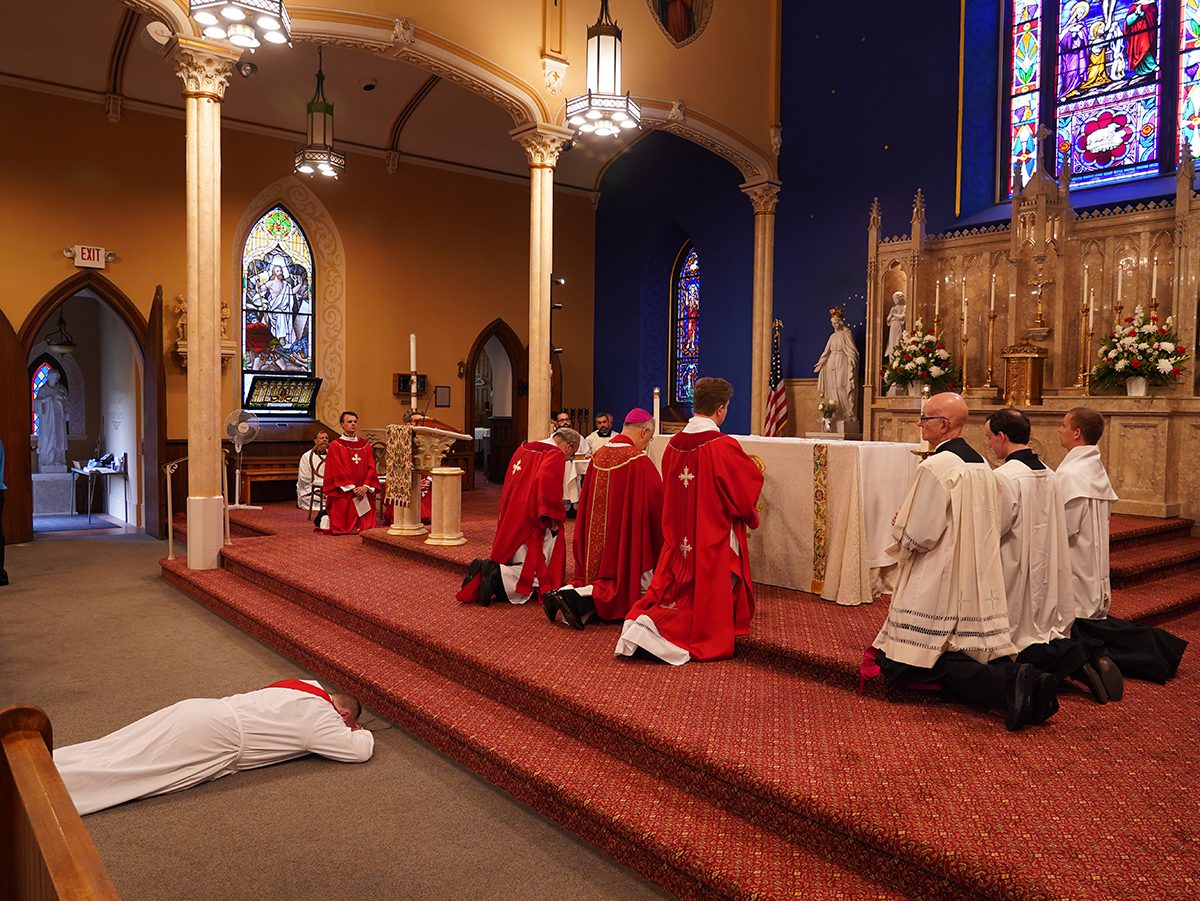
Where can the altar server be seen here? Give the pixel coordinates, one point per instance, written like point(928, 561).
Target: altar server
point(618, 534)
point(1087, 495)
point(701, 594)
point(528, 551)
point(948, 620)
point(202, 739)
point(350, 480)
point(1036, 563)
point(311, 473)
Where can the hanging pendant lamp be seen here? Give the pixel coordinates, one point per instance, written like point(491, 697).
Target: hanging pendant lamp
point(603, 110)
point(318, 154)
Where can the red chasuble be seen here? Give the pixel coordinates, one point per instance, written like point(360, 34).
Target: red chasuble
point(618, 533)
point(710, 485)
point(531, 502)
point(349, 462)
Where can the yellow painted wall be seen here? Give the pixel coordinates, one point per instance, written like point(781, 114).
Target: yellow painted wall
point(429, 251)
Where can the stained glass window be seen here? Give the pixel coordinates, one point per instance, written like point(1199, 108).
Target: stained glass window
point(1106, 102)
point(278, 296)
point(685, 321)
point(35, 383)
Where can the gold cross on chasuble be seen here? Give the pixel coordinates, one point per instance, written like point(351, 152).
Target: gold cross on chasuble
point(686, 477)
point(517, 466)
point(357, 459)
point(685, 548)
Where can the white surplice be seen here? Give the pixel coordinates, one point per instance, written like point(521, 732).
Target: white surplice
point(1087, 497)
point(595, 441)
point(1034, 555)
point(309, 477)
point(202, 739)
point(949, 586)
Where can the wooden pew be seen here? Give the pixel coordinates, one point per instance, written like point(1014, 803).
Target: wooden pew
point(45, 850)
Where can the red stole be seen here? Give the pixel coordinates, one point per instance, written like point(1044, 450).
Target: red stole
point(300, 685)
point(710, 485)
point(618, 533)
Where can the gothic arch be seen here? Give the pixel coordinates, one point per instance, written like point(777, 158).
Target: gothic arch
point(515, 349)
point(105, 291)
point(330, 308)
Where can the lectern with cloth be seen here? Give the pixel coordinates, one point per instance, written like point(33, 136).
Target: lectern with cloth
point(415, 449)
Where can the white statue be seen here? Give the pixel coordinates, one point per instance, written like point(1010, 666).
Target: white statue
point(895, 321)
point(51, 408)
point(837, 378)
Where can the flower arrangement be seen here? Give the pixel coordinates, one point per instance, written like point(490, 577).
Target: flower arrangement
point(920, 356)
point(1140, 346)
point(826, 408)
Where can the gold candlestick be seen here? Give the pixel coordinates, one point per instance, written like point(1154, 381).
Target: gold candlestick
point(990, 338)
point(1087, 372)
point(965, 341)
point(1118, 309)
point(1084, 344)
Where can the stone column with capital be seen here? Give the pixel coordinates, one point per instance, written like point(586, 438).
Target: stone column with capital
point(204, 68)
point(763, 197)
point(542, 145)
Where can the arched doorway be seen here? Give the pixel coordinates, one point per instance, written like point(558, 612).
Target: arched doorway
point(495, 376)
point(122, 412)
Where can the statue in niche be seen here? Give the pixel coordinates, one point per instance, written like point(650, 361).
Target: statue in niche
point(837, 369)
point(180, 318)
point(895, 321)
point(51, 408)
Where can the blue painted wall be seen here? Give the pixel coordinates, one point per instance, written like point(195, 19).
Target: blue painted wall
point(661, 193)
point(869, 108)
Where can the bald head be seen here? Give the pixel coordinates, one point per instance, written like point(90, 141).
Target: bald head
point(950, 405)
point(568, 440)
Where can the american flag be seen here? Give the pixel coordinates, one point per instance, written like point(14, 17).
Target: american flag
point(777, 412)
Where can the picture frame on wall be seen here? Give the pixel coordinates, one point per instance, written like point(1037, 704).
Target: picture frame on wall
point(441, 396)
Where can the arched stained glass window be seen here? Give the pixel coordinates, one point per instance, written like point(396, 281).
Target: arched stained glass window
point(1104, 102)
point(685, 325)
point(278, 298)
point(35, 383)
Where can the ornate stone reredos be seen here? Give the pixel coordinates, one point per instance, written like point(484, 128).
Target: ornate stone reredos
point(542, 143)
point(1024, 350)
point(918, 210)
point(203, 66)
point(763, 195)
point(875, 216)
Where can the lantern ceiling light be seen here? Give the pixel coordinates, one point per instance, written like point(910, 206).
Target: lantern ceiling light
point(603, 110)
point(244, 23)
point(318, 154)
point(60, 340)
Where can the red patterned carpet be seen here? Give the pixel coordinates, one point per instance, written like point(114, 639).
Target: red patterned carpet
point(764, 776)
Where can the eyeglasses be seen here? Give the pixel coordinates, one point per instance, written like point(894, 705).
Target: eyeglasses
point(927, 418)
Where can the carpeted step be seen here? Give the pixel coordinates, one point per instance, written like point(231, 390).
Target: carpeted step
point(1158, 601)
point(1124, 528)
point(681, 841)
point(787, 753)
point(1144, 560)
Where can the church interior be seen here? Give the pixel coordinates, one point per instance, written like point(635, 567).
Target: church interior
point(466, 217)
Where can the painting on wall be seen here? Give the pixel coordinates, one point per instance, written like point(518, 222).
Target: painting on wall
point(682, 21)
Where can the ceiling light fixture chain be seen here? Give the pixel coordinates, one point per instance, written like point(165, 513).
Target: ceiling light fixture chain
point(318, 154)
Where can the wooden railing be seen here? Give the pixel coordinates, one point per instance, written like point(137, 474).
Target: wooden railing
point(45, 850)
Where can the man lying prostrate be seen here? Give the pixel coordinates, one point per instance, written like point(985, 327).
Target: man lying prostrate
point(1087, 496)
point(948, 620)
point(202, 739)
point(618, 534)
point(1037, 564)
point(529, 551)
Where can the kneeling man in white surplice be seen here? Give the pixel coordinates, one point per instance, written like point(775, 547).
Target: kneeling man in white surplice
point(948, 619)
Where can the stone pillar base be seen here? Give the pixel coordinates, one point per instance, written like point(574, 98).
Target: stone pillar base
point(53, 492)
point(446, 523)
point(407, 520)
point(205, 531)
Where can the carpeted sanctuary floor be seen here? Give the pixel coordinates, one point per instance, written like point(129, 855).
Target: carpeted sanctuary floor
point(93, 635)
point(764, 776)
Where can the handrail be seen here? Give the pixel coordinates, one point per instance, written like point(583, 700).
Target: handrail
point(168, 471)
point(45, 850)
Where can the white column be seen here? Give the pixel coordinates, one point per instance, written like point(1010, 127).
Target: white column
point(204, 68)
point(763, 197)
point(542, 145)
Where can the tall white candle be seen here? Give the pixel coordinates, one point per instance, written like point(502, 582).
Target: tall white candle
point(412, 352)
point(992, 302)
point(1154, 279)
point(1091, 308)
point(1085, 281)
point(1120, 283)
point(937, 298)
point(656, 410)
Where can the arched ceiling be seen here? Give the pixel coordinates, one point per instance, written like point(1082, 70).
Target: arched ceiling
point(429, 120)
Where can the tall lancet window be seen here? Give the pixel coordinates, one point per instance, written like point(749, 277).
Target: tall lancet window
point(685, 325)
point(278, 297)
point(1092, 72)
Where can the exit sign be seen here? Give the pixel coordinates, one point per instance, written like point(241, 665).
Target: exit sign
point(89, 257)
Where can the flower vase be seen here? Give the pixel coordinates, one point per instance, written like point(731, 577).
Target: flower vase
point(826, 425)
point(914, 389)
point(1136, 386)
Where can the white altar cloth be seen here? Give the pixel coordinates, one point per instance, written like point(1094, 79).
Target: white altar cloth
point(825, 515)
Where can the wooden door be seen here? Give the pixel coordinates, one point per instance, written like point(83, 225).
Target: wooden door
point(154, 421)
point(14, 431)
